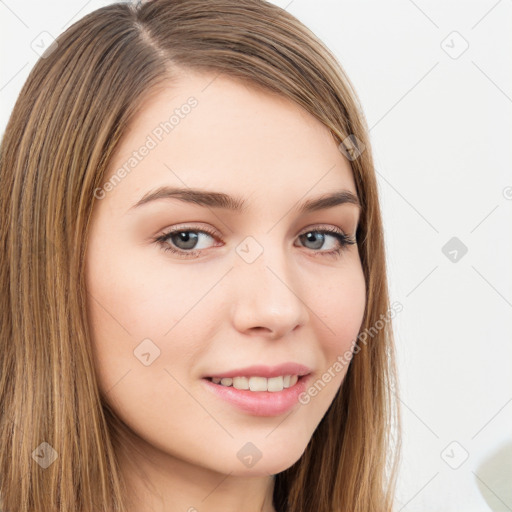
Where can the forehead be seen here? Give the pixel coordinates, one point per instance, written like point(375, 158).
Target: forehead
point(212, 131)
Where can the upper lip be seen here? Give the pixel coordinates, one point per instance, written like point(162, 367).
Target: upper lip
point(265, 371)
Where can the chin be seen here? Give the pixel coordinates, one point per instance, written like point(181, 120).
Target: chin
point(269, 465)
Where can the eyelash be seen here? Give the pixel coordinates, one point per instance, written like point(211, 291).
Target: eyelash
point(343, 239)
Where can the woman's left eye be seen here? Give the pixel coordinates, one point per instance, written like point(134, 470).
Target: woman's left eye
point(341, 240)
point(183, 241)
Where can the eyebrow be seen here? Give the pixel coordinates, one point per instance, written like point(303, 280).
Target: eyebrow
point(221, 200)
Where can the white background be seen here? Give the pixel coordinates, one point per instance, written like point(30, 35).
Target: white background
point(441, 127)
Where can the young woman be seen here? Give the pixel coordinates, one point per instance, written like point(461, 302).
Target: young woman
point(195, 312)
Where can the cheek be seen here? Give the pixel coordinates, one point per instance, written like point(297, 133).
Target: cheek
point(135, 309)
point(339, 310)
point(341, 306)
point(130, 296)
point(145, 337)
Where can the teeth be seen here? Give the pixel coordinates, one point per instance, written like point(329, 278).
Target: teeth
point(261, 383)
point(241, 383)
point(258, 383)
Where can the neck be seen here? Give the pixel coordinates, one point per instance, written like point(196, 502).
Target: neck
point(158, 482)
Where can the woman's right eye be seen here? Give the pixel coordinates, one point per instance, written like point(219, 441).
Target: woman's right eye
point(185, 242)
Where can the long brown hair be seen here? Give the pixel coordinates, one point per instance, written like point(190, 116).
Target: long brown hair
point(66, 124)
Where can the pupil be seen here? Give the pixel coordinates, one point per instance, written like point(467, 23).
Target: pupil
point(311, 237)
point(184, 236)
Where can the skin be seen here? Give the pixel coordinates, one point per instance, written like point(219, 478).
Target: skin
point(292, 303)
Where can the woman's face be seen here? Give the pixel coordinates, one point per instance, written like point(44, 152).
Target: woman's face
point(256, 286)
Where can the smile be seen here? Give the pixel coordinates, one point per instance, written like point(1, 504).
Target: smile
point(259, 396)
point(273, 384)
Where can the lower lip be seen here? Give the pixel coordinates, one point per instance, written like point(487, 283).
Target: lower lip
point(261, 403)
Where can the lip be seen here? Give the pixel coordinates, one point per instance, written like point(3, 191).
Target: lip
point(265, 371)
point(261, 403)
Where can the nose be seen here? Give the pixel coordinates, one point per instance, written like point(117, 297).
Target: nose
point(267, 296)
